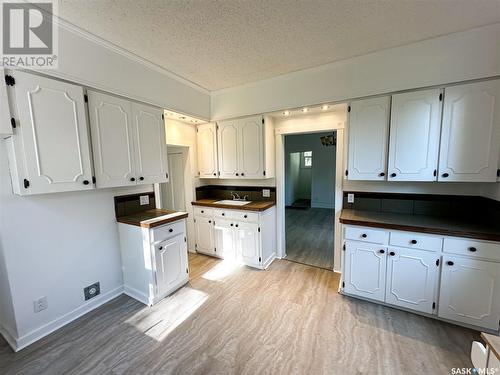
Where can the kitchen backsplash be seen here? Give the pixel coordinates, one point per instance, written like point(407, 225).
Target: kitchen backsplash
point(254, 193)
point(130, 204)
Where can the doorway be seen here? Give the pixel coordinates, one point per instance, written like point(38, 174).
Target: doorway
point(173, 192)
point(310, 169)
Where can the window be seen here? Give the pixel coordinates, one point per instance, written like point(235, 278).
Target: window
point(307, 159)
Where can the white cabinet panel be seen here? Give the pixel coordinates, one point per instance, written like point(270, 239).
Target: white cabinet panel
point(227, 137)
point(414, 136)
point(470, 132)
point(52, 150)
point(171, 264)
point(248, 243)
point(206, 136)
point(204, 235)
point(150, 144)
point(411, 279)
point(112, 141)
point(470, 291)
point(365, 269)
point(225, 241)
point(251, 152)
point(368, 135)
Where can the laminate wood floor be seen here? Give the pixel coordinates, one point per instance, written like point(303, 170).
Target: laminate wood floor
point(288, 319)
point(309, 236)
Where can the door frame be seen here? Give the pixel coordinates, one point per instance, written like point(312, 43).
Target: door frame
point(308, 128)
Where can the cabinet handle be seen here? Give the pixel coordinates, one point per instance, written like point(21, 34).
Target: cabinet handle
point(141, 178)
point(381, 174)
point(86, 182)
point(472, 249)
point(445, 175)
point(450, 263)
point(132, 179)
point(170, 230)
point(392, 253)
point(393, 174)
point(413, 242)
point(364, 235)
point(382, 251)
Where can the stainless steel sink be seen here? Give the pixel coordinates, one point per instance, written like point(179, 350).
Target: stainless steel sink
point(232, 202)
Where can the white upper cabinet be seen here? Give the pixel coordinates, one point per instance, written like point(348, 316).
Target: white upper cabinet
point(227, 136)
point(112, 140)
point(206, 136)
point(150, 144)
point(368, 136)
point(5, 124)
point(49, 150)
point(470, 133)
point(251, 148)
point(414, 136)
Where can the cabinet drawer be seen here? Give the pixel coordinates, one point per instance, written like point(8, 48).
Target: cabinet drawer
point(167, 231)
point(366, 235)
point(244, 216)
point(416, 241)
point(203, 211)
point(480, 249)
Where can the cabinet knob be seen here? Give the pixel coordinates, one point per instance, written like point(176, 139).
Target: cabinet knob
point(364, 235)
point(242, 173)
point(237, 174)
point(86, 182)
point(236, 225)
point(231, 224)
point(450, 263)
point(445, 175)
point(202, 211)
point(215, 174)
point(223, 214)
point(393, 174)
point(141, 178)
point(245, 216)
point(132, 179)
point(170, 230)
point(381, 174)
point(413, 242)
point(382, 251)
point(392, 253)
point(161, 248)
point(209, 221)
point(472, 249)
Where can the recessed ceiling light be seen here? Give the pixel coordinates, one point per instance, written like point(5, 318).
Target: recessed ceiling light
point(305, 109)
point(324, 107)
point(286, 113)
point(182, 117)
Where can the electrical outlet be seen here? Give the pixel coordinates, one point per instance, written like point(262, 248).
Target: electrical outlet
point(143, 200)
point(92, 291)
point(350, 198)
point(40, 304)
point(266, 193)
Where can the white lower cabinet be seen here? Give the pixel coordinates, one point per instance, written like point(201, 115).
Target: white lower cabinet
point(463, 273)
point(242, 236)
point(470, 291)
point(171, 264)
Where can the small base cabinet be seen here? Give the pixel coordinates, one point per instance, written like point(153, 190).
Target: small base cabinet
point(154, 260)
point(450, 278)
point(245, 237)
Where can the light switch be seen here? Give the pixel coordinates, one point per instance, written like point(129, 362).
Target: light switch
point(350, 198)
point(266, 193)
point(143, 200)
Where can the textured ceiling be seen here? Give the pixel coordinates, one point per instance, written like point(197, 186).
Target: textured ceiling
point(219, 44)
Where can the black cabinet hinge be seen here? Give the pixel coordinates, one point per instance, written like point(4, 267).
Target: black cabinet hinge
point(215, 249)
point(437, 262)
point(163, 118)
point(264, 173)
point(185, 239)
point(195, 245)
point(498, 172)
point(166, 174)
point(262, 120)
point(349, 108)
point(343, 284)
point(435, 172)
point(260, 259)
point(26, 184)
point(441, 97)
point(217, 126)
point(9, 80)
point(346, 172)
point(187, 271)
point(13, 122)
point(86, 98)
point(259, 229)
point(194, 220)
point(94, 180)
point(434, 305)
point(343, 247)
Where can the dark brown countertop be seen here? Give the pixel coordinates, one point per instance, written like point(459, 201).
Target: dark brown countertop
point(152, 218)
point(448, 226)
point(493, 342)
point(253, 206)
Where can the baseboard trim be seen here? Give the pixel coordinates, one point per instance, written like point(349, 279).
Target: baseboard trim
point(8, 337)
point(30, 338)
point(139, 296)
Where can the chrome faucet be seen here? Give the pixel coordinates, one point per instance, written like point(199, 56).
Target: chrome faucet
point(236, 196)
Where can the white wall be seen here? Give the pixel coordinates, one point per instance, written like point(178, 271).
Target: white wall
point(8, 327)
point(456, 57)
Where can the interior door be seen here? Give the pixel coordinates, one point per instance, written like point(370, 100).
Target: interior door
point(204, 231)
point(251, 144)
point(368, 135)
point(174, 189)
point(470, 291)
point(150, 144)
point(470, 135)
point(414, 136)
point(248, 243)
point(171, 264)
point(364, 271)
point(225, 243)
point(227, 137)
point(206, 138)
point(411, 279)
point(54, 133)
point(112, 141)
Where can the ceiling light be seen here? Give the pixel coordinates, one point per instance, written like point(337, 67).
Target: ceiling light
point(182, 117)
point(305, 109)
point(286, 113)
point(195, 121)
point(324, 107)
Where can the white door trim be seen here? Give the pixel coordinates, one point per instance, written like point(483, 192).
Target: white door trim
point(339, 177)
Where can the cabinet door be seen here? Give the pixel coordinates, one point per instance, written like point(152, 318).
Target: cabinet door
point(470, 132)
point(414, 136)
point(204, 230)
point(225, 239)
point(411, 279)
point(112, 141)
point(364, 271)
point(55, 137)
point(227, 137)
point(150, 144)
point(248, 243)
point(470, 291)
point(206, 137)
point(171, 264)
point(368, 135)
point(251, 148)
